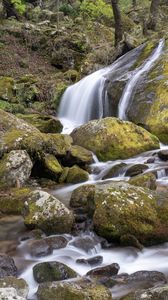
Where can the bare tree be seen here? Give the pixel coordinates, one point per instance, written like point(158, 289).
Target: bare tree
point(153, 17)
point(118, 21)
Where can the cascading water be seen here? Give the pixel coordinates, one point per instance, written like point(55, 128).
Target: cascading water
point(87, 99)
point(129, 89)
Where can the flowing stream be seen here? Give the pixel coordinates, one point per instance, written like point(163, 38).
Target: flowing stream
point(77, 107)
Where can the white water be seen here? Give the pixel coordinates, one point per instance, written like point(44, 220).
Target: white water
point(145, 67)
point(87, 99)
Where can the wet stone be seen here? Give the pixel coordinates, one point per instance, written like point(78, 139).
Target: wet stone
point(135, 170)
point(39, 248)
point(163, 155)
point(108, 270)
point(93, 261)
point(56, 242)
point(86, 243)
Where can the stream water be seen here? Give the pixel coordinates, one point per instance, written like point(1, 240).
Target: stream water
point(81, 99)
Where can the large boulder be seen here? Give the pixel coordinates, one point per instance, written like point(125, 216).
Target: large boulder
point(154, 293)
point(111, 138)
point(73, 290)
point(47, 213)
point(123, 209)
point(149, 106)
point(15, 168)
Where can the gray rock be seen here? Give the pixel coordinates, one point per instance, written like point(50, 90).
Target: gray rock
point(7, 266)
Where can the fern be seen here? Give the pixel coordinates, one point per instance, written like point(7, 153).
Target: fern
point(19, 5)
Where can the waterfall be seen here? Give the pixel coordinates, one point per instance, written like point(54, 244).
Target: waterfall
point(128, 91)
point(87, 99)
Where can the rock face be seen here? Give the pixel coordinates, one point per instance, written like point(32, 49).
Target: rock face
point(149, 106)
point(111, 138)
point(73, 290)
point(52, 271)
point(47, 213)
point(125, 209)
point(15, 168)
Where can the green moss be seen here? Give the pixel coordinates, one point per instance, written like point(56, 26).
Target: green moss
point(146, 52)
point(7, 88)
point(59, 90)
point(12, 201)
point(44, 123)
point(52, 165)
point(122, 209)
point(76, 174)
point(111, 138)
point(147, 180)
point(11, 107)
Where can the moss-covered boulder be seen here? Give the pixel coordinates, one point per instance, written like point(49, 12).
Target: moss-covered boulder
point(111, 138)
point(12, 200)
point(147, 180)
point(45, 123)
point(74, 175)
point(52, 271)
point(154, 293)
point(125, 209)
point(73, 290)
point(15, 168)
point(150, 103)
point(47, 213)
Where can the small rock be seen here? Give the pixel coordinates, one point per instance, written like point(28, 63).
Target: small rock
point(19, 285)
point(93, 261)
point(135, 170)
point(39, 248)
point(85, 243)
point(109, 270)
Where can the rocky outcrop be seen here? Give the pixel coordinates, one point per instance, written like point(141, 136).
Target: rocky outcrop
point(111, 138)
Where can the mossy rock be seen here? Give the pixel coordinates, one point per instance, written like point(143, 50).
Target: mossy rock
point(154, 293)
point(12, 107)
point(150, 105)
point(73, 290)
point(111, 138)
point(147, 180)
point(123, 209)
point(44, 123)
point(52, 166)
point(7, 85)
point(52, 271)
point(47, 213)
point(79, 155)
point(12, 201)
point(76, 174)
point(83, 197)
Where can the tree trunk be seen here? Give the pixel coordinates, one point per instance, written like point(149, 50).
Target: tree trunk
point(154, 9)
point(118, 22)
point(9, 9)
point(134, 3)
